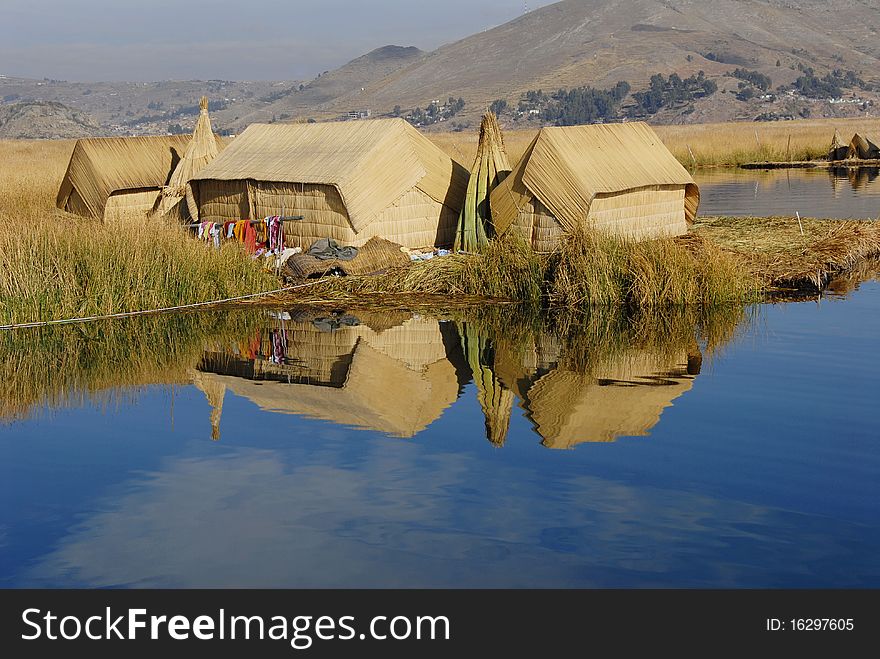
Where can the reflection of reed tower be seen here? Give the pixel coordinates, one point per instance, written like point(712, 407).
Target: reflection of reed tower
point(215, 392)
point(495, 399)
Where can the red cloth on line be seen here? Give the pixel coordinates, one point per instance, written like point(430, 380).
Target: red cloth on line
point(250, 238)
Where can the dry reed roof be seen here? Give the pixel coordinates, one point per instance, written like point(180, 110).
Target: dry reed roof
point(371, 163)
point(862, 148)
point(103, 165)
point(566, 168)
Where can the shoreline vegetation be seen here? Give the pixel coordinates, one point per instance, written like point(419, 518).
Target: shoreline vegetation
point(58, 265)
point(722, 261)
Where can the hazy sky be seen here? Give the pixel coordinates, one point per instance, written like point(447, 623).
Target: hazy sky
point(89, 40)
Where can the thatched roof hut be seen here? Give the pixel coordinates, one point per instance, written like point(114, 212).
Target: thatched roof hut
point(350, 180)
point(862, 148)
point(491, 166)
point(618, 178)
point(200, 152)
point(838, 149)
point(113, 178)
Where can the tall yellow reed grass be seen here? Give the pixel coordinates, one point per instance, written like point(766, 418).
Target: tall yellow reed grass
point(58, 265)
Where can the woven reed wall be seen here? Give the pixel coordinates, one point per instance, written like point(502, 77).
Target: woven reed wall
point(414, 220)
point(220, 201)
point(536, 223)
point(130, 205)
point(653, 212)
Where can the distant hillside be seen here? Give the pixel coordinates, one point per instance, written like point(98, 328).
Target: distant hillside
point(339, 89)
point(682, 61)
point(145, 108)
point(601, 42)
point(45, 120)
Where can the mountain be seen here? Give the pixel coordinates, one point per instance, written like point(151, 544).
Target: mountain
point(45, 120)
point(600, 42)
point(793, 56)
point(340, 89)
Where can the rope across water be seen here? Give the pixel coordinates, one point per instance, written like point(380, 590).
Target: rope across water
point(131, 314)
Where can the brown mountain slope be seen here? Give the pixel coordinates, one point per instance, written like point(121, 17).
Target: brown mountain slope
point(340, 88)
point(45, 120)
point(599, 42)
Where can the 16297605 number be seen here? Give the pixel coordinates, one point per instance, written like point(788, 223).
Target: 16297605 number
point(822, 624)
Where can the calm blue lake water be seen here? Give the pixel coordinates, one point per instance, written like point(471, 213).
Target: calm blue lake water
point(364, 455)
point(824, 193)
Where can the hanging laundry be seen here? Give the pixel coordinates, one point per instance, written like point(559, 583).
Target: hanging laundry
point(238, 230)
point(275, 227)
point(215, 232)
point(250, 238)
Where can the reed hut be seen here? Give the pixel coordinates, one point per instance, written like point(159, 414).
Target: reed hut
point(396, 380)
point(119, 178)
point(491, 166)
point(617, 178)
point(838, 149)
point(862, 148)
point(200, 152)
point(350, 181)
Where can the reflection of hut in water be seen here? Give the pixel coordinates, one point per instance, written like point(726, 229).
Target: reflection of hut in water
point(621, 396)
point(858, 177)
point(861, 177)
point(395, 377)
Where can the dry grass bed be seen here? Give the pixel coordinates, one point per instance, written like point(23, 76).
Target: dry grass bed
point(590, 270)
point(781, 258)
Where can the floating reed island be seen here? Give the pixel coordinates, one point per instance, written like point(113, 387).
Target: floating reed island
point(606, 216)
point(588, 216)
